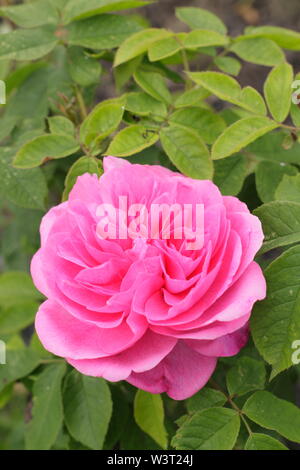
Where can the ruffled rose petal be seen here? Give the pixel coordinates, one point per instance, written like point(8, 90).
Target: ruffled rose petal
point(86, 190)
point(228, 313)
point(181, 374)
point(143, 356)
point(67, 336)
point(227, 345)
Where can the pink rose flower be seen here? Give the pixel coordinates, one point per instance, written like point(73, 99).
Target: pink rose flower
point(144, 310)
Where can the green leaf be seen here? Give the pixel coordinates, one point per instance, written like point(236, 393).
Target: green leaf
point(286, 38)
point(275, 322)
point(180, 421)
point(149, 415)
point(36, 346)
point(47, 410)
point(187, 151)
point(4, 69)
point(295, 113)
point(17, 316)
point(102, 121)
point(19, 363)
point(81, 166)
point(192, 97)
point(288, 189)
point(134, 438)
point(268, 176)
point(26, 134)
point(205, 398)
point(83, 69)
point(252, 100)
point(60, 86)
point(224, 87)
point(114, 30)
point(30, 15)
point(63, 441)
point(206, 123)
point(230, 173)
point(153, 84)
point(280, 222)
point(21, 232)
point(18, 76)
point(14, 343)
point(60, 125)
point(198, 18)
point(163, 48)
point(228, 89)
point(263, 442)
point(17, 287)
point(260, 51)
point(26, 188)
point(271, 412)
point(270, 147)
point(76, 9)
point(29, 102)
point(50, 146)
point(240, 134)
point(142, 104)
point(131, 140)
point(138, 44)
point(88, 408)
point(246, 375)
point(204, 38)
point(277, 89)
point(124, 72)
point(210, 429)
point(6, 395)
point(27, 44)
point(119, 419)
point(59, 4)
point(228, 65)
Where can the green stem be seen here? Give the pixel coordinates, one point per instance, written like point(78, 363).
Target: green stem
point(81, 102)
point(233, 405)
point(186, 66)
point(291, 128)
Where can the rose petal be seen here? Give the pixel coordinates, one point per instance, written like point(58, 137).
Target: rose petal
point(143, 356)
point(181, 374)
point(227, 345)
point(67, 336)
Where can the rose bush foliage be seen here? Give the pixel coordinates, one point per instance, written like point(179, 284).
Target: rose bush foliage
point(120, 322)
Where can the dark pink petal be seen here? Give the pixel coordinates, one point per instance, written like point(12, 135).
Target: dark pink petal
point(227, 345)
point(181, 374)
